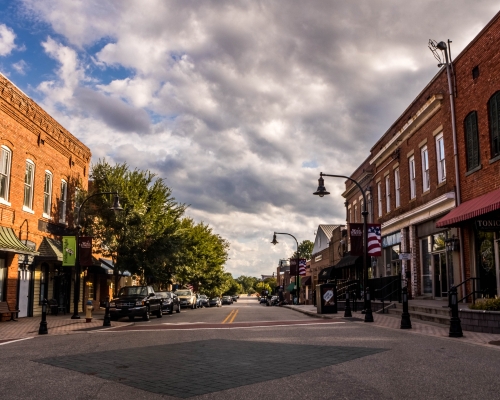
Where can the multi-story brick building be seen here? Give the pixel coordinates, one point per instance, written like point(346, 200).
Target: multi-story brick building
point(41, 167)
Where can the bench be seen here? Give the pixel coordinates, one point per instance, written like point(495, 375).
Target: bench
point(5, 309)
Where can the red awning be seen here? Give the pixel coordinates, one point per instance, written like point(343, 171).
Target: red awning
point(472, 208)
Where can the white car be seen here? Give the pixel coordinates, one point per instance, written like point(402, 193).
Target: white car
point(186, 297)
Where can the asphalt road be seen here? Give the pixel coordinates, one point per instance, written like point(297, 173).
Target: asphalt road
point(300, 358)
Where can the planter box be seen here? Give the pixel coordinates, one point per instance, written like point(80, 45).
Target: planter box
point(479, 320)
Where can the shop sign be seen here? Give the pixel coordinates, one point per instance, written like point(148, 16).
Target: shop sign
point(405, 256)
point(488, 224)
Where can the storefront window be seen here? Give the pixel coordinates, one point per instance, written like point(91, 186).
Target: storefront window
point(3, 279)
point(486, 263)
point(392, 261)
point(426, 266)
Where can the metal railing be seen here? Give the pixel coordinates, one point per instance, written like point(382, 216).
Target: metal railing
point(347, 285)
point(389, 287)
point(474, 289)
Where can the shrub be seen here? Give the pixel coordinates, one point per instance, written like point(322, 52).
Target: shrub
point(486, 304)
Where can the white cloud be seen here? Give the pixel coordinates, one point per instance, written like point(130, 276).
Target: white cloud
point(20, 67)
point(7, 38)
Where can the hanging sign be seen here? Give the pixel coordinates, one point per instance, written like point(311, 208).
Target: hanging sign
point(356, 235)
point(85, 251)
point(405, 256)
point(69, 251)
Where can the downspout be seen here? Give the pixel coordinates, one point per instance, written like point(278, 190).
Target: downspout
point(446, 49)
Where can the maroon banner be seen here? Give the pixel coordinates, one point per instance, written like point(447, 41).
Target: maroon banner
point(356, 235)
point(293, 266)
point(85, 251)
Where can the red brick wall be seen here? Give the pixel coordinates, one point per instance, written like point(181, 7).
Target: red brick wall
point(31, 133)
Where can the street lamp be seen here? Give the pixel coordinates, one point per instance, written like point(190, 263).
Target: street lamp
point(116, 207)
point(275, 242)
point(321, 191)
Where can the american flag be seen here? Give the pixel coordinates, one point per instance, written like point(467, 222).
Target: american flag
point(302, 267)
point(374, 239)
point(189, 286)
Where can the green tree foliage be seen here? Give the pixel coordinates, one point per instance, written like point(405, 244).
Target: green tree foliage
point(247, 283)
point(150, 237)
point(305, 250)
point(272, 282)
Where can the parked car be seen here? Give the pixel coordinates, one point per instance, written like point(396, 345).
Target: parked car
point(136, 301)
point(215, 302)
point(263, 300)
point(170, 302)
point(235, 298)
point(227, 300)
point(204, 300)
point(186, 297)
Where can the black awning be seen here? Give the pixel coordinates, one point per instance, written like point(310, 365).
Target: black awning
point(305, 280)
point(325, 274)
point(349, 261)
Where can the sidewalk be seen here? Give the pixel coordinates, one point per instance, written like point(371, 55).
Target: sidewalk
point(56, 325)
point(418, 326)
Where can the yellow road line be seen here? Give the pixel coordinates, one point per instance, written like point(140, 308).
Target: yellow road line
point(229, 316)
point(234, 316)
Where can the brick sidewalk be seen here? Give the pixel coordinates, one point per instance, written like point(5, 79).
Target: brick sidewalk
point(56, 325)
point(418, 326)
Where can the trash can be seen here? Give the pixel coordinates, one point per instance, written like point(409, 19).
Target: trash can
point(326, 298)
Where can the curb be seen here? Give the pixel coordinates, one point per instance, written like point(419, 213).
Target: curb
point(311, 314)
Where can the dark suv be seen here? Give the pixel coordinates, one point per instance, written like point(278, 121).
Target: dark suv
point(135, 301)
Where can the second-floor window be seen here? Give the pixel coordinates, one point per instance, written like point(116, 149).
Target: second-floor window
point(5, 162)
point(47, 194)
point(441, 164)
point(471, 140)
point(426, 182)
point(397, 187)
point(62, 202)
point(413, 186)
point(28, 185)
point(379, 198)
point(388, 193)
point(494, 111)
point(355, 213)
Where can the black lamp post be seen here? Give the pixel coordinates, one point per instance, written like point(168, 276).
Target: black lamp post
point(116, 207)
point(275, 242)
point(321, 191)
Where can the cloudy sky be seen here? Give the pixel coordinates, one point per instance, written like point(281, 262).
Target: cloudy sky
point(237, 104)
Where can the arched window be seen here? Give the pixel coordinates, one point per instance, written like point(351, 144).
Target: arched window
point(471, 140)
point(494, 111)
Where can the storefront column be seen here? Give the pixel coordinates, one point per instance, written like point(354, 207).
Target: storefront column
point(413, 268)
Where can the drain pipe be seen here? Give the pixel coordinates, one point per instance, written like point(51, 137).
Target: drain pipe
point(446, 50)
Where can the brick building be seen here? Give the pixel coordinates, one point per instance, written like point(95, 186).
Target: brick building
point(415, 184)
point(41, 167)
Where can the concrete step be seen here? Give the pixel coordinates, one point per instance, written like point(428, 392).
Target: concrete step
point(439, 318)
point(442, 311)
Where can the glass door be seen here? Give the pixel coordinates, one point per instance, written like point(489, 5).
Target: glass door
point(440, 274)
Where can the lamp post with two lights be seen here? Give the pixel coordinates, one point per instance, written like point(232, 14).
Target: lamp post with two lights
point(275, 242)
point(116, 207)
point(321, 191)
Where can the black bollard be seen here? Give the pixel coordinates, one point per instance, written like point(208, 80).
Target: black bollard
point(455, 325)
point(107, 317)
point(368, 306)
point(43, 324)
point(347, 310)
point(405, 317)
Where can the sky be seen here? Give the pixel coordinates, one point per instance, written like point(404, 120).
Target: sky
point(238, 105)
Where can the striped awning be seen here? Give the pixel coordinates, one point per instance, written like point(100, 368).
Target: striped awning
point(10, 242)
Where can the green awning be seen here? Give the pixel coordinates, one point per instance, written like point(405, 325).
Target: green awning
point(9, 242)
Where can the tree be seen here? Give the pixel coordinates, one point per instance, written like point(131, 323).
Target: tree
point(246, 282)
point(305, 250)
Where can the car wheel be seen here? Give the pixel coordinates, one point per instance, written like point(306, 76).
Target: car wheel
point(145, 316)
point(178, 308)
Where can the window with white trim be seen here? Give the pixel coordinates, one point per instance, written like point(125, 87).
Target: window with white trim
point(355, 213)
point(379, 198)
point(388, 193)
point(5, 162)
point(47, 194)
point(397, 187)
point(29, 175)
point(63, 202)
point(441, 163)
point(413, 186)
point(426, 183)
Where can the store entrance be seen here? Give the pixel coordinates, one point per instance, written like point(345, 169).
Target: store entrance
point(440, 274)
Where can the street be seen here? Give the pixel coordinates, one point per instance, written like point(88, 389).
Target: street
point(233, 352)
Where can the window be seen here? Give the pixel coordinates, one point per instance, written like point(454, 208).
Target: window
point(413, 187)
point(28, 185)
point(355, 213)
point(397, 187)
point(5, 162)
point(494, 111)
point(44, 273)
point(47, 194)
point(388, 193)
point(471, 140)
point(3, 279)
point(350, 215)
point(425, 170)
point(62, 202)
point(441, 164)
point(379, 197)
